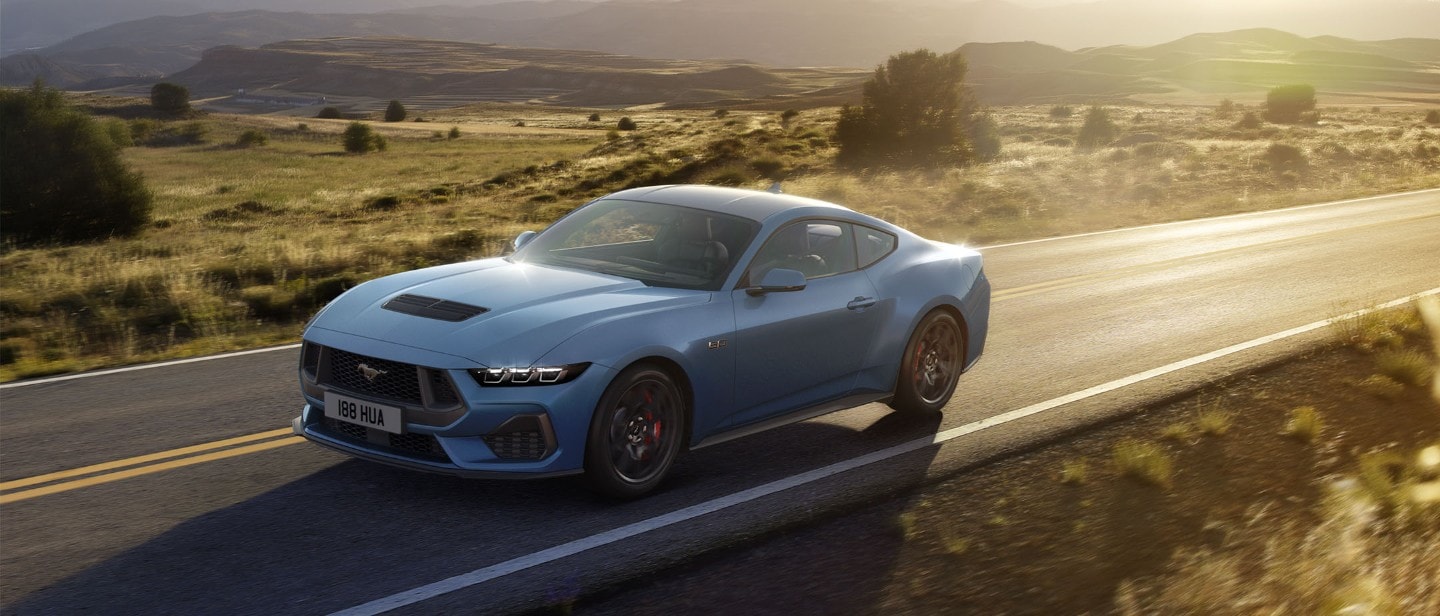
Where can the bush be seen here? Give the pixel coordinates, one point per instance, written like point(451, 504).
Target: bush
point(395, 112)
point(1098, 129)
point(119, 133)
point(1433, 116)
point(454, 132)
point(359, 138)
point(70, 184)
point(329, 113)
point(251, 137)
point(1284, 104)
point(768, 167)
point(1225, 109)
point(594, 117)
point(626, 123)
point(788, 115)
point(1284, 157)
point(170, 98)
point(915, 111)
point(720, 113)
point(984, 135)
point(1249, 121)
point(1061, 111)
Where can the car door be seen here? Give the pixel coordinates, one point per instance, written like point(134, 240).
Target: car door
point(795, 349)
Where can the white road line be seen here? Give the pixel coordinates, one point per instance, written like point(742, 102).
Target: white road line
point(577, 546)
point(86, 375)
point(1213, 218)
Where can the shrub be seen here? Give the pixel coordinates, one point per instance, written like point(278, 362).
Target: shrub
point(1284, 104)
point(768, 167)
point(594, 117)
point(119, 133)
point(454, 132)
point(359, 138)
point(329, 113)
point(1143, 461)
point(915, 111)
point(70, 183)
point(1214, 421)
point(302, 127)
point(1225, 109)
point(788, 115)
point(1284, 157)
point(395, 112)
point(1433, 116)
point(251, 137)
point(1406, 367)
point(720, 113)
point(1304, 423)
point(1098, 129)
point(1061, 111)
point(170, 98)
point(984, 135)
point(1249, 121)
point(626, 123)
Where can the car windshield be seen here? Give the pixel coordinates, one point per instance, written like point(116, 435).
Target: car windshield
point(657, 244)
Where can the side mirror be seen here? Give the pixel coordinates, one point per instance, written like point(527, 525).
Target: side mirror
point(779, 280)
point(523, 239)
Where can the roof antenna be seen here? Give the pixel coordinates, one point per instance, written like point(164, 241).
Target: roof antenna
point(775, 189)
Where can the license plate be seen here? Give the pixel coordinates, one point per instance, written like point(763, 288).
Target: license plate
point(363, 413)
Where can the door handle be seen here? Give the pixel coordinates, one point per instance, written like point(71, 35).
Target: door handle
point(860, 303)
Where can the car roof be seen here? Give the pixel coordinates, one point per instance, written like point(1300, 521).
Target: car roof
point(753, 204)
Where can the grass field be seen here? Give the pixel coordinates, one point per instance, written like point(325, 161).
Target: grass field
point(247, 242)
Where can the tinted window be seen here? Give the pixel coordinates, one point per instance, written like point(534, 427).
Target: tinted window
point(872, 244)
point(818, 248)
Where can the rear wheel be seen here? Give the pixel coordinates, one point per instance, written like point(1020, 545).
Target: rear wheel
point(931, 366)
point(635, 434)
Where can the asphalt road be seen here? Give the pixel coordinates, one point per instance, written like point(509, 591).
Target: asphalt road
point(267, 525)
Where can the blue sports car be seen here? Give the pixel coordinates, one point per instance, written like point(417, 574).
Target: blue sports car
point(645, 323)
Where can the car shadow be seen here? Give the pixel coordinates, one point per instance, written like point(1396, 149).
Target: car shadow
point(356, 531)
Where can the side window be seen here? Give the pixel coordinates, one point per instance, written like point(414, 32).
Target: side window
point(819, 248)
point(872, 244)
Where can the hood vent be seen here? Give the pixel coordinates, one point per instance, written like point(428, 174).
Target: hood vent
point(432, 308)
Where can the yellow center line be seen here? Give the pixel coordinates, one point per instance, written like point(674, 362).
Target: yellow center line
point(173, 453)
point(12, 497)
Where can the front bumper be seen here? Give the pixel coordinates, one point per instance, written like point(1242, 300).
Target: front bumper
point(502, 432)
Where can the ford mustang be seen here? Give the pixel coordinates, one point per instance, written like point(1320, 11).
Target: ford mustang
point(643, 324)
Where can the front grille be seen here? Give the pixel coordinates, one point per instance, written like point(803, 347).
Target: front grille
point(421, 445)
point(517, 445)
point(394, 381)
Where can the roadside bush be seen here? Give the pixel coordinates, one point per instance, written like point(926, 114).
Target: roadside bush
point(329, 113)
point(1249, 121)
point(788, 115)
point(626, 123)
point(1433, 116)
point(1284, 157)
point(1225, 109)
point(1284, 104)
point(454, 133)
point(169, 98)
point(720, 113)
point(768, 167)
point(915, 112)
point(984, 134)
point(68, 182)
point(359, 138)
point(594, 117)
point(1098, 129)
point(1062, 111)
point(395, 112)
point(251, 137)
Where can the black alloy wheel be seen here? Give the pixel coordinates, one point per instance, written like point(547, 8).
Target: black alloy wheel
point(931, 365)
point(636, 433)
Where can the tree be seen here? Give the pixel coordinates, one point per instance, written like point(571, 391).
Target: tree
point(1225, 109)
point(329, 113)
point(1284, 104)
point(914, 112)
point(395, 112)
point(359, 138)
point(170, 98)
point(61, 177)
point(1097, 130)
point(626, 123)
point(984, 135)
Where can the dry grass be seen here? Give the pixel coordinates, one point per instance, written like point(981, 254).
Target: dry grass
point(1304, 423)
point(1143, 461)
point(248, 241)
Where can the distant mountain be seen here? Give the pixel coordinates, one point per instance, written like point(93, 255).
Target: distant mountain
point(387, 68)
point(859, 33)
point(1228, 62)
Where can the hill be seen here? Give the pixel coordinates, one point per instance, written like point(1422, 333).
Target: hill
point(449, 72)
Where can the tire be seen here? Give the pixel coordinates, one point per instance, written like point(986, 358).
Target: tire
point(931, 365)
point(635, 434)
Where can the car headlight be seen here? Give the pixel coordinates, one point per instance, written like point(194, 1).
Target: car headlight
point(536, 375)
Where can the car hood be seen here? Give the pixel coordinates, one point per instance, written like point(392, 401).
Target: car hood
point(530, 309)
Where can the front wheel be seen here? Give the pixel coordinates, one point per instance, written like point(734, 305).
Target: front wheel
point(931, 365)
point(635, 434)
